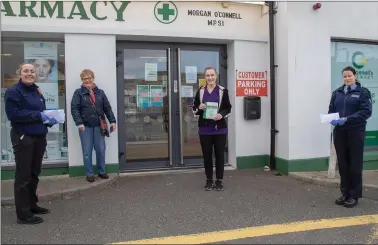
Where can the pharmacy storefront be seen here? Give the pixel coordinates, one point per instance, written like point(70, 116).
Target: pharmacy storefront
point(149, 58)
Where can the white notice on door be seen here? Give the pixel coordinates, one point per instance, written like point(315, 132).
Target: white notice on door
point(191, 74)
point(186, 91)
point(150, 72)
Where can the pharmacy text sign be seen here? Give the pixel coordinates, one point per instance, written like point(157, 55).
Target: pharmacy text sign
point(251, 83)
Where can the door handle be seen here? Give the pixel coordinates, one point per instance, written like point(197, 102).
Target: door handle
point(177, 113)
point(175, 86)
point(180, 104)
point(120, 154)
point(170, 108)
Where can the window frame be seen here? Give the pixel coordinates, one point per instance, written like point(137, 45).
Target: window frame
point(58, 163)
point(354, 40)
point(357, 41)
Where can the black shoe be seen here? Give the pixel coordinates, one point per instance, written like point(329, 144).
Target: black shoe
point(350, 202)
point(103, 176)
point(218, 185)
point(39, 210)
point(340, 200)
point(90, 178)
point(30, 221)
point(209, 185)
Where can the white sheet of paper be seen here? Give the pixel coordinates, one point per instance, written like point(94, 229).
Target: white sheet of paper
point(59, 115)
point(327, 118)
point(191, 74)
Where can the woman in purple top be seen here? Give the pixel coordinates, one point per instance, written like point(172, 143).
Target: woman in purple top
point(212, 132)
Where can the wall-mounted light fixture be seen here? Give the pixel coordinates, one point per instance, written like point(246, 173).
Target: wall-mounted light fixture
point(317, 6)
point(224, 4)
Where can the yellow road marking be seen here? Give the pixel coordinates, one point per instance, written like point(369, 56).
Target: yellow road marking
point(266, 230)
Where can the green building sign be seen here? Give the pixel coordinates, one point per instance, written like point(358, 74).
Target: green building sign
point(56, 9)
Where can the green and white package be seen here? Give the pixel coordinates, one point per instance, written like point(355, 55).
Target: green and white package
point(211, 110)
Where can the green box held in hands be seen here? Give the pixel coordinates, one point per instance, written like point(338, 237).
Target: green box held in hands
point(211, 110)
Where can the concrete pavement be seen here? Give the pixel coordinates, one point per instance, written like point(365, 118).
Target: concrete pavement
point(56, 187)
point(142, 207)
point(370, 178)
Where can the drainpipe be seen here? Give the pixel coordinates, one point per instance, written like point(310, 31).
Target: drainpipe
point(273, 130)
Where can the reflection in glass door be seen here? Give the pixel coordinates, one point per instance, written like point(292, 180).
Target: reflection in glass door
point(146, 104)
point(157, 85)
point(191, 65)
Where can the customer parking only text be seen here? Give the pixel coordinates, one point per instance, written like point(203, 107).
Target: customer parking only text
point(251, 83)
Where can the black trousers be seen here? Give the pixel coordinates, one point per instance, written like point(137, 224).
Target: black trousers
point(349, 146)
point(29, 152)
point(218, 142)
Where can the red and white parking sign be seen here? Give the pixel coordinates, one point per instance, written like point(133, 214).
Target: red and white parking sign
point(251, 83)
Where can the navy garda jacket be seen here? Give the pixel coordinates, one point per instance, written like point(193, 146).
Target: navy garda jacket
point(354, 105)
point(83, 111)
point(23, 107)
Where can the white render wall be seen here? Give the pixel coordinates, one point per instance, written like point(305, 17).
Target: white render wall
point(282, 89)
point(232, 117)
point(99, 55)
point(248, 137)
point(303, 47)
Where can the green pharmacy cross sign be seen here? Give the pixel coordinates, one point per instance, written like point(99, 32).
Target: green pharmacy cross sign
point(165, 12)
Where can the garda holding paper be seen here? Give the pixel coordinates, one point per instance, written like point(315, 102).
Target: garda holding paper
point(25, 108)
point(353, 102)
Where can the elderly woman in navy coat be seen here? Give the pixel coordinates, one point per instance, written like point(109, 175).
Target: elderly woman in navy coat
point(89, 106)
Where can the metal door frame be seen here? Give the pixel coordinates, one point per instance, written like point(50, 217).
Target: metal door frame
point(175, 120)
point(139, 164)
point(222, 72)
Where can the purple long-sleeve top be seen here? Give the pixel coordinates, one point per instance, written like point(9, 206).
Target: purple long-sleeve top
point(211, 129)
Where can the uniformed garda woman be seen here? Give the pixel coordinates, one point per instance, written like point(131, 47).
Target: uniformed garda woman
point(24, 106)
point(353, 103)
